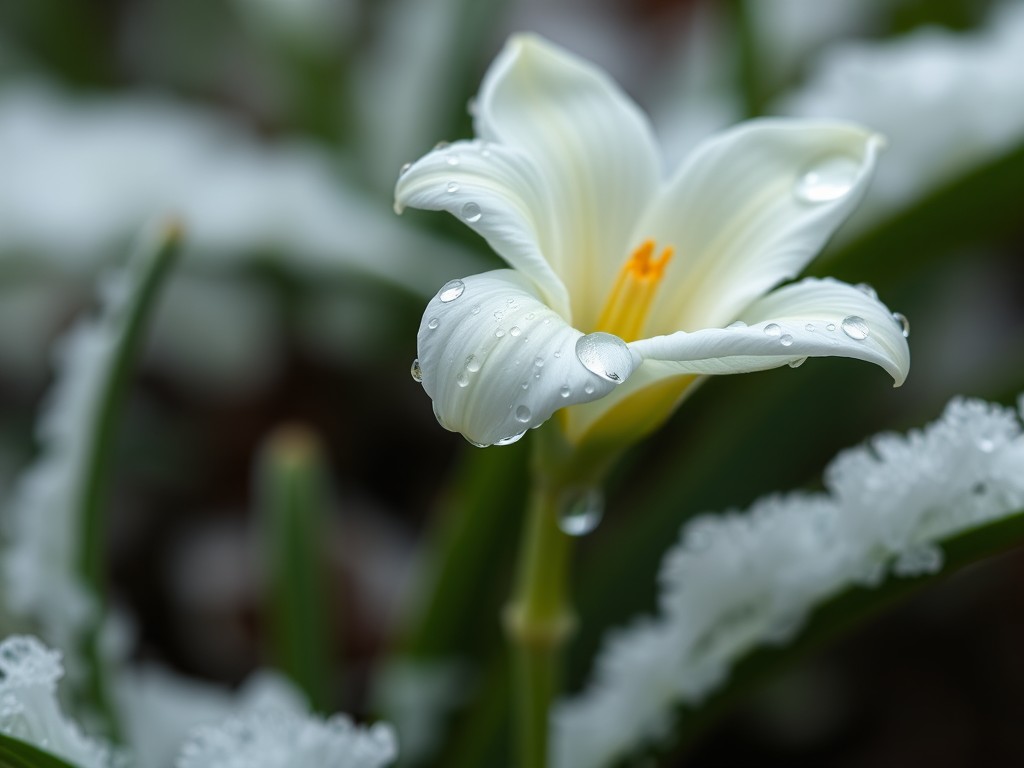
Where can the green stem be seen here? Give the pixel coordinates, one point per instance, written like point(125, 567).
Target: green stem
point(539, 620)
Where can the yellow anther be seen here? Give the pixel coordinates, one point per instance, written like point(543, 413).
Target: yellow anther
point(633, 293)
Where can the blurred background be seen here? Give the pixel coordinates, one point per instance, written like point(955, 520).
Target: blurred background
point(275, 130)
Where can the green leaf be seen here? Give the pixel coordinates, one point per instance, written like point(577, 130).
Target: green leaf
point(839, 615)
point(19, 754)
point(293, 509)
point(125, 314)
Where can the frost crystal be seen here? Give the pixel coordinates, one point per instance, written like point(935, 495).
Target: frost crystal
point(28, 704)
point(279, 739)
point(743, 579)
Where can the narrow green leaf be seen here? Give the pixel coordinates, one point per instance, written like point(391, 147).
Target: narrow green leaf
point(19, 754)
point(293, 508)
point(127, 307)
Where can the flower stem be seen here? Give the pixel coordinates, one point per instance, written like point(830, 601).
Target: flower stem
point(539, 620)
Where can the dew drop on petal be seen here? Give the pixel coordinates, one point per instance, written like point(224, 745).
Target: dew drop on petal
point(500, 332)
point(462, 379)
point(415, 371)
point(773, 330)
point(580, 511)
point(523, 414)
point(538, 361)
point(903, 323)
point(588, 388)
point(475, 444)
point(511, 438)
point(475, 310)
point(855, 327)
point(809, 327)
point(452, 159)
point(558, 354)
point(451, 290)
point(471, 212)
point(453, 187)
point(472, 363)
point(442, 145)
point(986, 444)
point(737, 324)
point(565, 391)
point(606, 355)
point(830, 327)
point(515, 330)
point(827, 180)
point(433, 323)
point(798, 362)
point(867, 290)
point(405, 167)
point(786, 340)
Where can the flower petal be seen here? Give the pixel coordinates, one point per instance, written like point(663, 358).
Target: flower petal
point(749, 210)
point(812, 318)
point(497, 361)
point(591, 145)
point(500, 194)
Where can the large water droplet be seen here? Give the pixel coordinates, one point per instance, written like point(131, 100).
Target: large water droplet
point(472, 363)
point(855, 327)
point(433, 323)
point(415, 371)
point(511, 438)
point(773, 330)
point(580, 511)
point(451, 290)
point(786, 340)
point(606, 355)
point(515, 330)
point(827, 180)
point(500, 332)
point(903, 323)
point(471, 212)
point(523, 414)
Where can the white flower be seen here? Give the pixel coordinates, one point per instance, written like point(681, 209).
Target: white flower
point(623, 281)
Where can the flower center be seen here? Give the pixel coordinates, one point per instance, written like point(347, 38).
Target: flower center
point(633, 293)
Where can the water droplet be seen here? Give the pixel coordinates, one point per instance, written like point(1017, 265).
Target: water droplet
point(511, 438)
point(415, 371)
point(442, 145)
point(606, 355)
point(588, 388)
point(523, 414)
point(500, 332)
point(773, 330)
point(558, 354)
point(580, 511)
point(475, 310)
point(565, 391)
point(451, 290)
point(798, 362)
point(903, 323)
point(809, 327)
point(452, 159)
point(830, 327)
point(525, 385)
point(827, 180)
point(472, 363)
point(511, 301)
point(737, 324)
point(530, 315)
point(515, 330)
point(855, 327)
point(538, 361)
point(453, 187)
point(867, 290)
point(433, 323)
point(471, 212)
point(986, 445)
point(475, 444)
point(405, 167)
point(786, 340)
point(462, 379)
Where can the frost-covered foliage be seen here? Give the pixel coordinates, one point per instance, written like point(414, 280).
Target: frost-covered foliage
point(42, 520)
point(947, 101)
point(281, 739)
point(29, 710)
point(743, 579)
point(100, 166)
